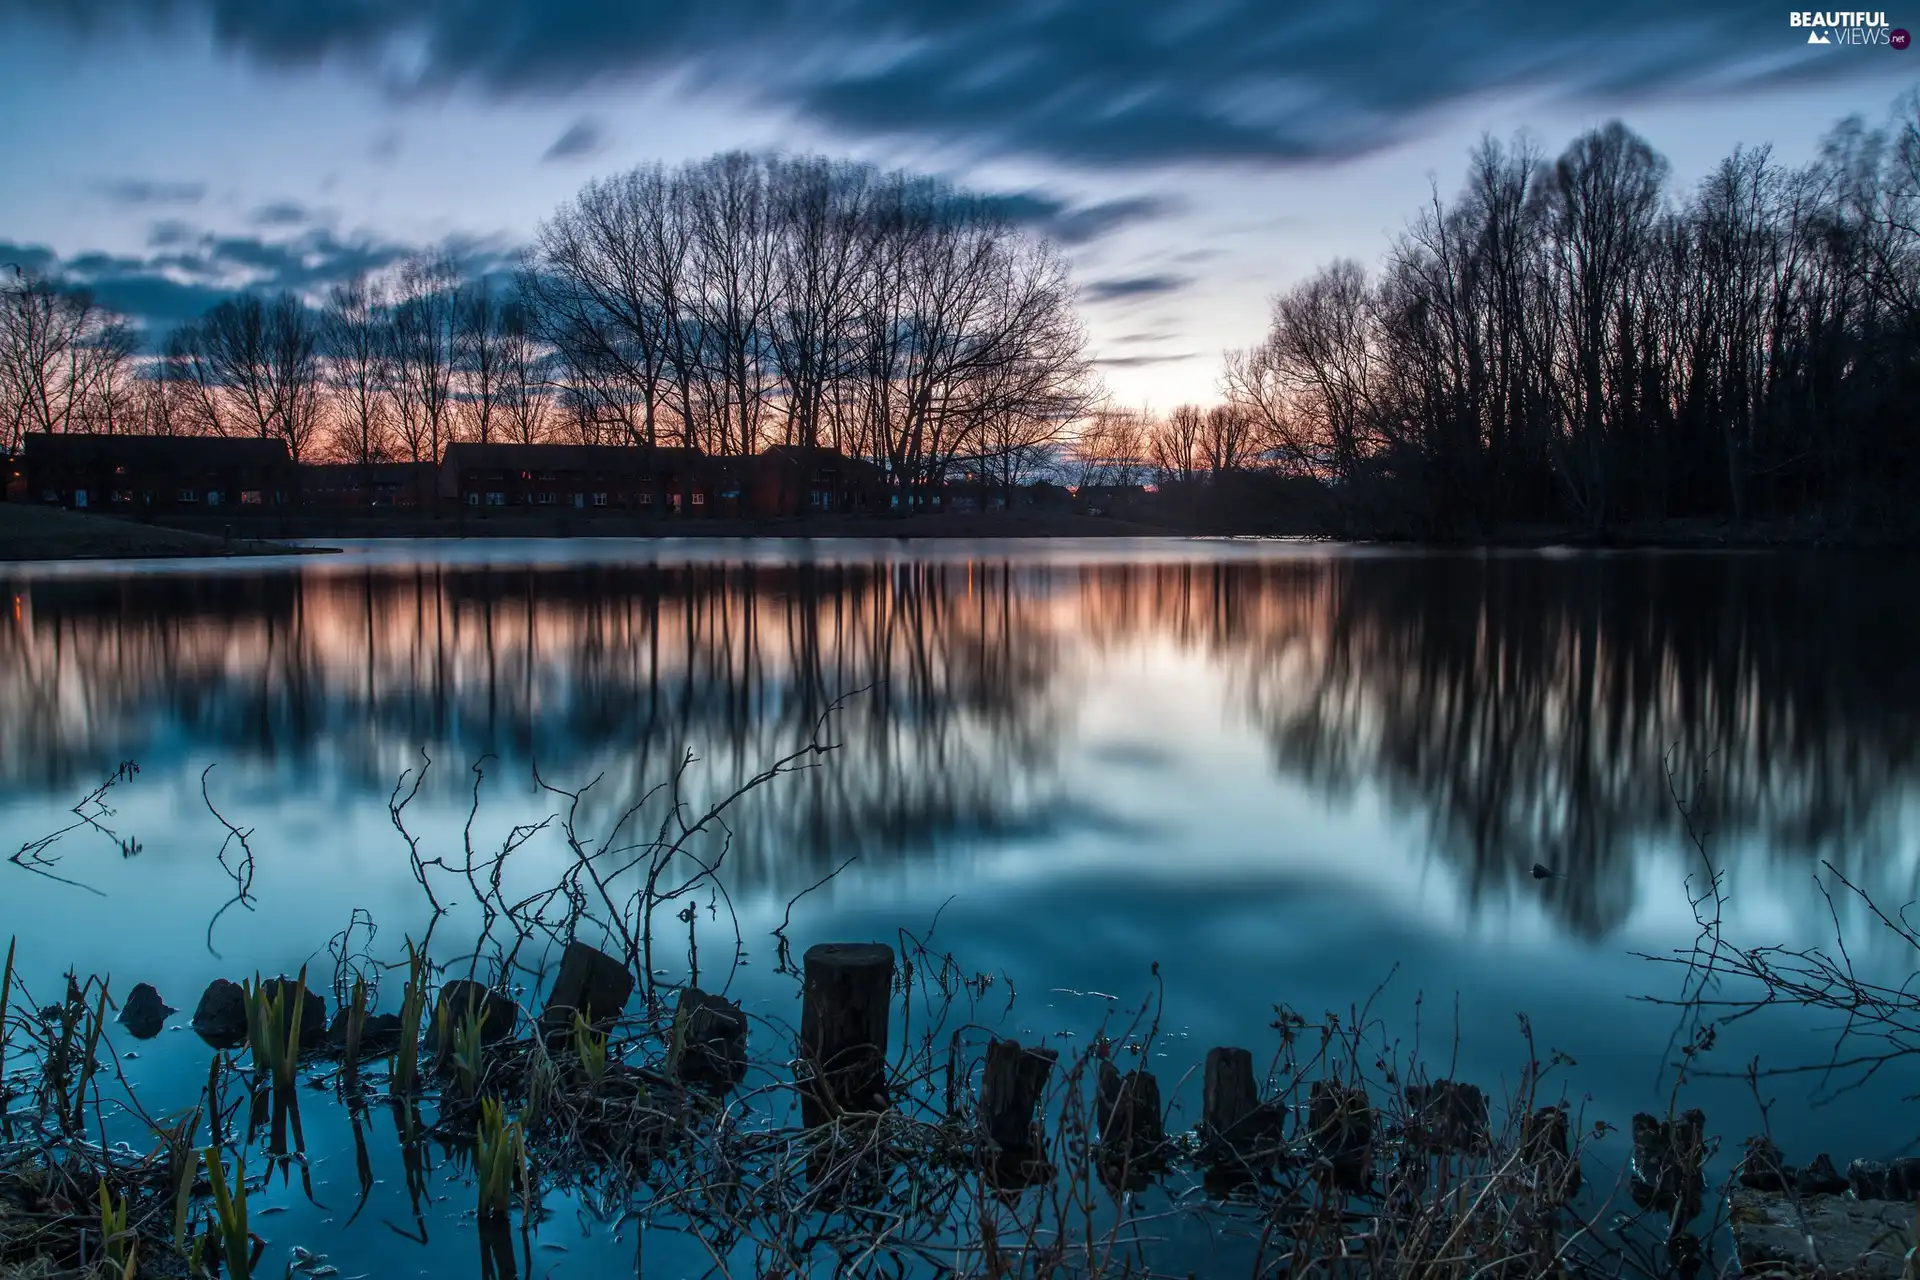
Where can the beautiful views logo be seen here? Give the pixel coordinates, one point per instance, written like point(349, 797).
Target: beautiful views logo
point(1845, 27)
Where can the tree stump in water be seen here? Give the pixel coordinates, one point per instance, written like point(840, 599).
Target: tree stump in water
point(1132, 1140)
point(1012, 1084)
point(1340, 1126)
point(1448, 1116)
point(709, 1041)
point(1544, 1146)
point(846, 1002)
point(592, 984)
point(1239, 1134)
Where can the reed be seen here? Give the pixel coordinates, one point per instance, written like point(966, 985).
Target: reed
point(6, 989)
point(590, 1047)
point(468, 1053)
point(499, 1153)
point(230, 1214)
point(406, 1065)
point(119, 1244)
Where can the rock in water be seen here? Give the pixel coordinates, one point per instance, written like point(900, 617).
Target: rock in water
point(221, 1016)
point(144, 1013)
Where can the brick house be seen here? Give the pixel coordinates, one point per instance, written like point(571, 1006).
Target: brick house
point(376, 484)
point(582, 477)
point(793, 480)
point(127, 474)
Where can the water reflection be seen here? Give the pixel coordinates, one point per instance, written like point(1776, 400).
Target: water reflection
point(1519, 709)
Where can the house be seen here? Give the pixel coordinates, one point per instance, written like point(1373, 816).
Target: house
point(368, 484)
point(586, 477)
point(148, 473)
point(794, 480)
point(1109, 499)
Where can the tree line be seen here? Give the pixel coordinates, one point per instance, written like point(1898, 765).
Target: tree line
point(724, 306)
point(1571, 340)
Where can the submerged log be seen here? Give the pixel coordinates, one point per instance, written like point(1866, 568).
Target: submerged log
point(1238, 1132)
point(846, 1004)
point(592, 984)
point(709, 1045)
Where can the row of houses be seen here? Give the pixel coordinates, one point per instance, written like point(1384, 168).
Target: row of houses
point(181, 474)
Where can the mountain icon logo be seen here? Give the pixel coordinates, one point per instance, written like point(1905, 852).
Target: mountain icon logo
point(1816, 37)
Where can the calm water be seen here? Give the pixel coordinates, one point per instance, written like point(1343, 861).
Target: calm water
point(1287, 774)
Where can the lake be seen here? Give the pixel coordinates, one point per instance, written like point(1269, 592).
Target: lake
point(1278, 773)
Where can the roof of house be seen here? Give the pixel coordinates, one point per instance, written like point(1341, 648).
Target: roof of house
point(565, 457)
point(81, 448)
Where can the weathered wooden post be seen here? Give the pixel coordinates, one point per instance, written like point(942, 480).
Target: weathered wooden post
point(846, 1000)
point(1544, 1146)
point(1448, 1116)
point(1340, 1124)
point(709, 1045)
point(1668, 1156)
point(1011, 1085)
point(1239, 1134)
point(591, 985)
point(1132, 1139)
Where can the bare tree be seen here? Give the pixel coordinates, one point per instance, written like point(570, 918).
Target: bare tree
point(524, 401)
point(359, 351)
point(55, 347)
point(481, 357)
point(424, 350)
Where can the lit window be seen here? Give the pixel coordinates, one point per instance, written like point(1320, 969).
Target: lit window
point(646, 499)
point(213, 497)
point(189, 496)
point(496, 499)
point(548, 499)
point(599, 499)
point(699, 499)
point(249, 497)
point(473, 499)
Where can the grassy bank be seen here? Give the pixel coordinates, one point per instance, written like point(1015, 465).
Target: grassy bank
point(456, 522)
point(47, 533)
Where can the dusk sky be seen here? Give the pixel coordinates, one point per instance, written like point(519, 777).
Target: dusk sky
point(1192, 157)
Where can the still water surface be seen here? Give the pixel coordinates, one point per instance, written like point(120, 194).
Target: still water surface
point(1285, 773)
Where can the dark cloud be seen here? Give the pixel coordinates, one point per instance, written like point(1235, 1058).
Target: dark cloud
point(137, 191)
point(1135, 287)
point(1078, 224)
point(582, 138)
point(1117, 82)
point(281, 213)
point(1142, 362)
point(189, 269)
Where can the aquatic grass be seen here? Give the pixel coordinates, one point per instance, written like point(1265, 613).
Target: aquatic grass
point(590, 1047)
point(275, 1014)
point(413, 1003)
point(499, 1154)
point(469, 1060)
point(120, 1244)
point(230, 1214)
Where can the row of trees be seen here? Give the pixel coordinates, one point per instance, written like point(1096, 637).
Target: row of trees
point(724, 306)
point(1566, 339)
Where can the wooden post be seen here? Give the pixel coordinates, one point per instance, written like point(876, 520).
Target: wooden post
point(1544, 1146)
point(1448, 1116)
point(1340, 1122)
point(1238, 1132)
point(709, 1041)
point(846, 1000)
point(1012, 1083)
point(1132, 1141)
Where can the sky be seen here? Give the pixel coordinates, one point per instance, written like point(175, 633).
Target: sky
point(1193, 157)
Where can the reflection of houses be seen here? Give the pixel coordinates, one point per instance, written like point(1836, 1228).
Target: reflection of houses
point(793, 480)
point(132, 473)
point(587, 477)
point(370, 484)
